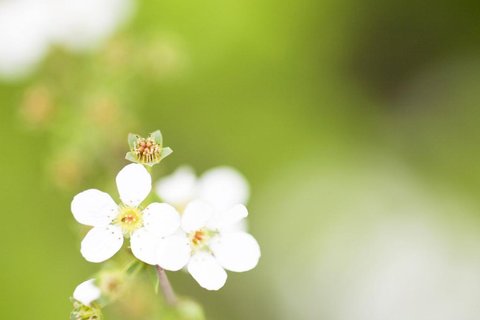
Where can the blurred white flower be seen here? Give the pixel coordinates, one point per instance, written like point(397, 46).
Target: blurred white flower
point(84, 24)
point(179, 187)
point(207, 246)
point(221, 187)
point(87, 292)
point(24, 36)
point(111, 221)
point(29, 27)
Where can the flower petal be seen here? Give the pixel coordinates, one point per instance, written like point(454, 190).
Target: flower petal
point(179, 187)
point(134, 183)
point(173, 252)
point(207, 271)
point(94, 208)
point(144, 245)
point(237, 251)
point(87, 292)
point(196, 215)
point(101, 243)
point(229, 218)
point(161, 218)
point(223, 187)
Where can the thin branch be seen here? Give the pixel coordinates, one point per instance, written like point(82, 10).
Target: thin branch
point(167, 289)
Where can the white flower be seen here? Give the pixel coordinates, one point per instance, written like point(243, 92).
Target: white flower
point(112, 222)
point(208, 247)
point(87, 292)
point(23, 36)
point(213, 223)
point(84, 24)
point(29, 27)
point(221, 187)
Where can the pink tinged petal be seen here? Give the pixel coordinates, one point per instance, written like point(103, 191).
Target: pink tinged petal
point(173, 252)
point(223, 187)
point(94, 208)
point(101, 243)
point(144, 245)
point(161, 218)
point(196, 215)
point(205, 269)
point(237, 251)
point(179, 187)
point(134, 183)
point(227, 219)
point(87, 292)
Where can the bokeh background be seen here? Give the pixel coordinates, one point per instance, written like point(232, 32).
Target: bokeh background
point(357, 124)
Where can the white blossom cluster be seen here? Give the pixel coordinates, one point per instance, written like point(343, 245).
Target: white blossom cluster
point(29, 27)
point(200, 226)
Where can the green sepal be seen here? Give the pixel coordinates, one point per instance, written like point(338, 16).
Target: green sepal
point(157, 137)
point(134, 267)
point(83, 312)
point(165, 152)
point(132, 139)
point(130, 156)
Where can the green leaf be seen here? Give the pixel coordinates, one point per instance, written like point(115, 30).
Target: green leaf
point(134, 267)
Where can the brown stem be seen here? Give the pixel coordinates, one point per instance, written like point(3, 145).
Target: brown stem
point(167, 289)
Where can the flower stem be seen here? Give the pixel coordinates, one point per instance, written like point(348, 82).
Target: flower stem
point(167, 289)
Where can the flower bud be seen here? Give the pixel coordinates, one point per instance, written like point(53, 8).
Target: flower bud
point(111, 283)
point(186, 309)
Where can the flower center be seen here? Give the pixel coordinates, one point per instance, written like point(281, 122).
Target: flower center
point(199, 239)
point(129, 219)
point(147, 150)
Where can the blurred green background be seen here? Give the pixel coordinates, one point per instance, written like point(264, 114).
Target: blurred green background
point(357, 125)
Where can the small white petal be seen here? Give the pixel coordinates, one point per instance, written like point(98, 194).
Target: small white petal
point(94, 208)
point(237, 251)
point(240, 226)
point(227, 219)
point(161, 218)
point(196, 215)
point(173, 252)
point(144, 245)
point(207, 271)
point(101, 243)
point(134, 183)
point(87, 292)
point(179, 187)
point(223, 187)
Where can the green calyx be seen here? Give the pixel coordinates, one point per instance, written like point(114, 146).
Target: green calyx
point(83, 312)
point(147, 151)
